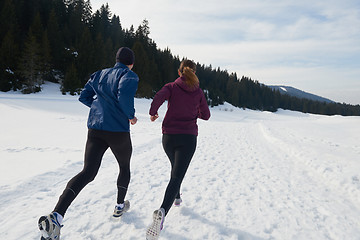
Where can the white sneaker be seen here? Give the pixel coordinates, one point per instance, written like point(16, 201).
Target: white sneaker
point(153, 231)
point(177, 202)
point(118, 211)
point(50, 226)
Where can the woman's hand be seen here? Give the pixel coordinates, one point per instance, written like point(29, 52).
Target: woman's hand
point(153, 118)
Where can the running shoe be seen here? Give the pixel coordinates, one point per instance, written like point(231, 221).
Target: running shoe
point(153, 231)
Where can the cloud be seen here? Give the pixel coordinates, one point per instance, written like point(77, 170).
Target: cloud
point(307, 43)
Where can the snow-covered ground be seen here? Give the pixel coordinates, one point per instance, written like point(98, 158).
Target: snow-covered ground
point(255, 175)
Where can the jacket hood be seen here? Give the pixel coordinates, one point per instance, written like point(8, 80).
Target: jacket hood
point(182, 84)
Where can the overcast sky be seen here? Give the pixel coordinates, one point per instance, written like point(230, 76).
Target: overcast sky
point(310, 45)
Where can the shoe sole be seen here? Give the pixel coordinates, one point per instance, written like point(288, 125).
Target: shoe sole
point(44, 224)
point(155, 228)
point(44, 227)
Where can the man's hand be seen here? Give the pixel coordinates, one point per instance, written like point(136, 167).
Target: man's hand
point(133, 121)
point(153, 118)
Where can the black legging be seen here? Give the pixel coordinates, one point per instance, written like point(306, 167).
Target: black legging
point(180, 149)
point(97, 143)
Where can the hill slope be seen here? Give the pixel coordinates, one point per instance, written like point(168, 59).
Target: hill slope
point(294, 92)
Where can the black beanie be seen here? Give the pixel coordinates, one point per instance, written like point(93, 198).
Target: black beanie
point(125, 56)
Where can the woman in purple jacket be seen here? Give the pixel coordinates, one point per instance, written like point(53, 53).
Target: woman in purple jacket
point(186, 103)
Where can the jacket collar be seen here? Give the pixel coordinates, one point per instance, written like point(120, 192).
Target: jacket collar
point(181, 83)
point(120, 65)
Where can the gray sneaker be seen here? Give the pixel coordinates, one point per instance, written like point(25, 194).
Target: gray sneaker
point(153, 231)
point(177, 202)
point(49, 227)
point(118, 211)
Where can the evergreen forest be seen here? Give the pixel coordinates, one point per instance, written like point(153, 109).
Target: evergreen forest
point(65, 41)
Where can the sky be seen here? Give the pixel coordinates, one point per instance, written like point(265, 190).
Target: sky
point(310, 45)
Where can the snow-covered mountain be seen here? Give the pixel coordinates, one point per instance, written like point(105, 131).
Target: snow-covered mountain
point(294, 92)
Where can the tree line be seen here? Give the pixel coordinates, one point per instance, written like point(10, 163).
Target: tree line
point(64, 41)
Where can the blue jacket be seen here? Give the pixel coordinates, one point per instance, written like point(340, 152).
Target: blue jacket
point(110, 95)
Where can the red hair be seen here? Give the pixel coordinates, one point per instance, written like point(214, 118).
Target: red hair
point(187, 69)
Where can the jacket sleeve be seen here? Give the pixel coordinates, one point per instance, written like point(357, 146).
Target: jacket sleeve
point(87, 94)
point(159, 99)
point(126, 92)
point(204, 112)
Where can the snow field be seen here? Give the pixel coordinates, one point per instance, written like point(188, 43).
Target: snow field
point(255, 175)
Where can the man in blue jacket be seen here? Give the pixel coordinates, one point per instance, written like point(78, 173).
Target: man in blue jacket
point(110, 95)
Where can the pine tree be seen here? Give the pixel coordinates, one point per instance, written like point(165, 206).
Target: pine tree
point(76, 20)
point(9, 53)
point(56, 43)
point(87, 14)
point(142, 68)
point(7, 17)
point(37, 28)
point(116, 33)
point(143, 31)
point(109, 53)
point(99, 52)
point(129, 37)
point(105, 16)
point(86, 59)
point(101, 22)
point(30, 65)
point(167, 63)
point(46, 59)
point(71, 82)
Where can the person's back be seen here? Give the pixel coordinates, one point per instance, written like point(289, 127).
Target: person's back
point(185, 105)
point(186, 102)
point(113, 106)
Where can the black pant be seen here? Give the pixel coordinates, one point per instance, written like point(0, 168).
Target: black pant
point(180, 149)
point(97, 143)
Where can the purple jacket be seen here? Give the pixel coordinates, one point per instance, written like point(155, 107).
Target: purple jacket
point(185, 105)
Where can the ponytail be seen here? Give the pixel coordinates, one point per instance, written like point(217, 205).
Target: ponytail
point(187, 69)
